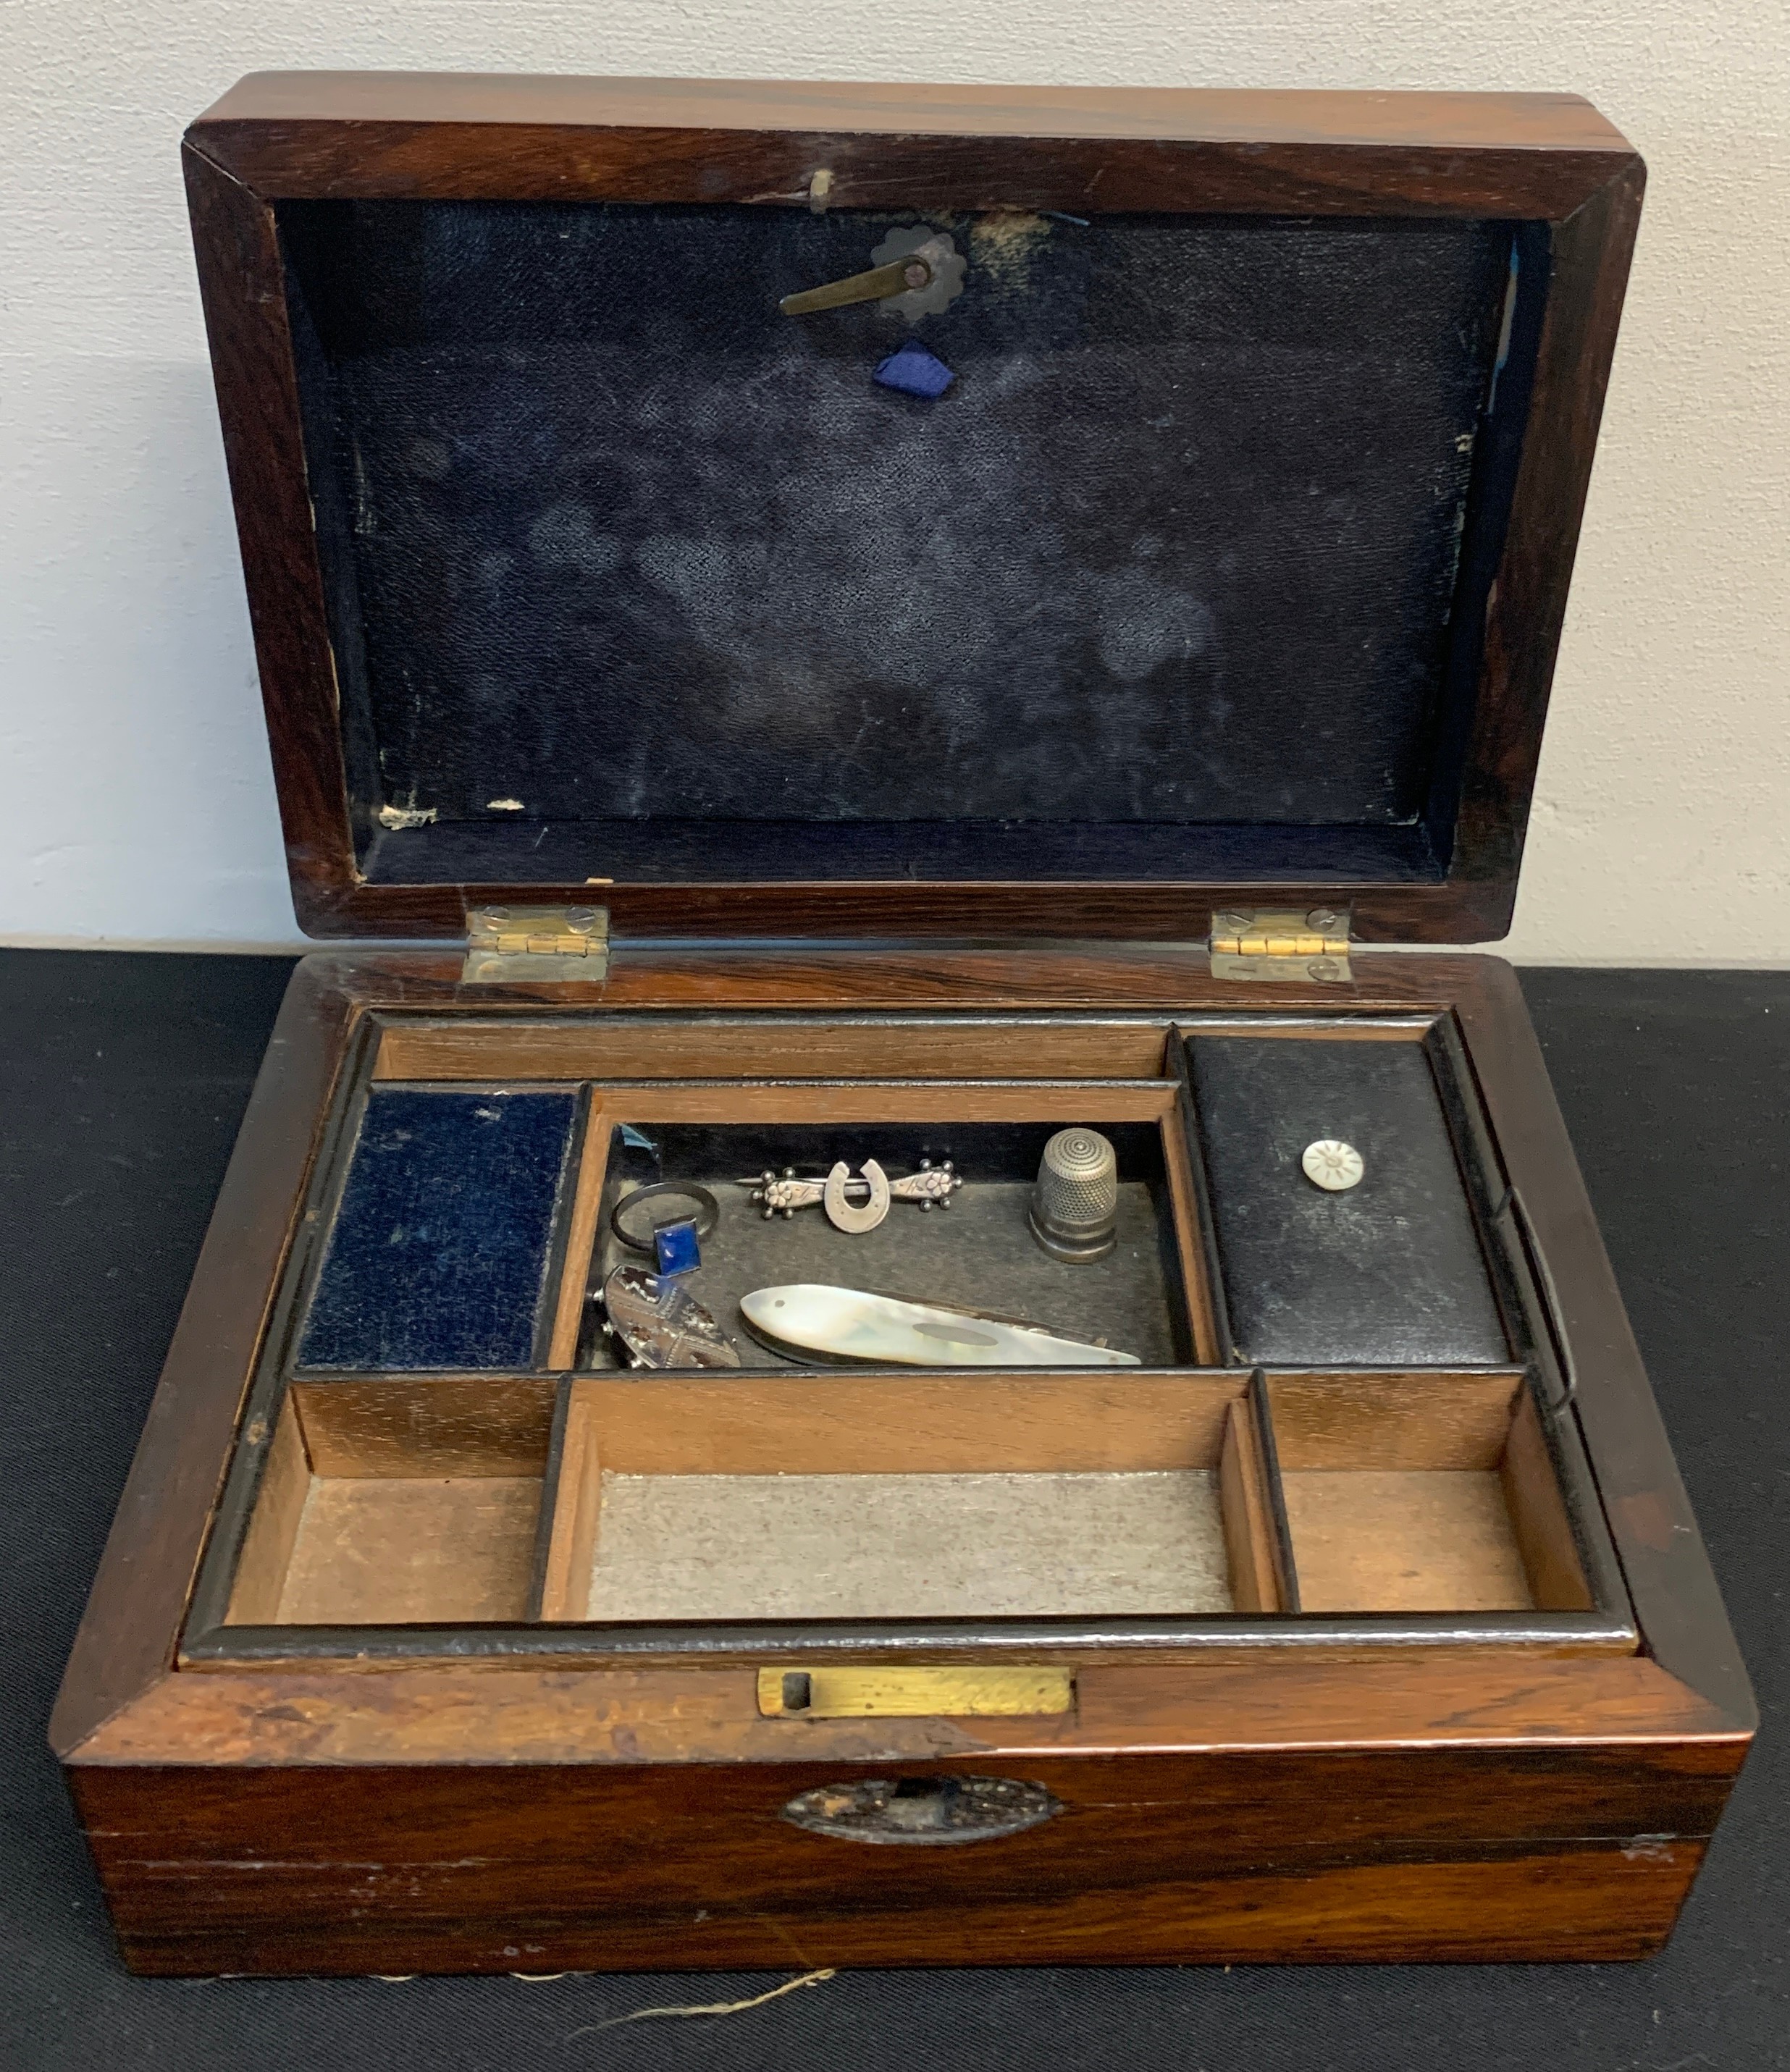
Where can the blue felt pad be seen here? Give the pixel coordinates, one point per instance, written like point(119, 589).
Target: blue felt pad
point(438, 1255)
point(915, 371)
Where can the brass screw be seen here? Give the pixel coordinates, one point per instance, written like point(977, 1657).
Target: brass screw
point(1322, 917)
point(1324, 967)
point(1231, 923)
point(580, 920)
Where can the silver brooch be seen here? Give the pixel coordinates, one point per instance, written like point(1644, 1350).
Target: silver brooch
point(854, 1203)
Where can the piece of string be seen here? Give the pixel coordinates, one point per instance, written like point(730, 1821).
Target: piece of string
point(714, 2007)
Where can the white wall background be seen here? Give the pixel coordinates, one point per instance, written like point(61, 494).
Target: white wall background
point(136, 805)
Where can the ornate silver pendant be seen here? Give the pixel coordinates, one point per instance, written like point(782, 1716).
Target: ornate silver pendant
point(660, 1324)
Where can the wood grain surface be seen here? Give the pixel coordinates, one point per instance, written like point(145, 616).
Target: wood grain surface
point(622, 1047)
point(266, 1555)
point(127, 1636)
point(429, 1713)
point(397, 1550)
point(1544, 1529)
point(840, 1423)
point(914, 146)
point(1404, 1540)
point(1453, 1801)
point(1249, 1522)
point(1391, 1421)
point(581, 1236)
point(1474, 1852)
point(1546, 160)
point(1460, 121)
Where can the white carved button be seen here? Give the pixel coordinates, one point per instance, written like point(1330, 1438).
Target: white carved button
point(1332, 1164)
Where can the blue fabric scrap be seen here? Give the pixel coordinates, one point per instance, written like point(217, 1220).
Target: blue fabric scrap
point(915, 371)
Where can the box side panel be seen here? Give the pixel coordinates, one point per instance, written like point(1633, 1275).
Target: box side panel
point(1416, 1855)
point(1534, 122)
point(139, 1597)
point(1665, 1564)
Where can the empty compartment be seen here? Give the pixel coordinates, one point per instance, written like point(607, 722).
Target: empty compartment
point(1422, 1493)
point(802, 1497)
point(396, 1502)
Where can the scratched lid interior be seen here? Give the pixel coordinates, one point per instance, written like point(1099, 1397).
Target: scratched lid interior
point(633, 577)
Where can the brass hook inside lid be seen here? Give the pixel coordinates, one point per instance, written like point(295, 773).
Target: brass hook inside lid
point(877, 285)
point(919, 272)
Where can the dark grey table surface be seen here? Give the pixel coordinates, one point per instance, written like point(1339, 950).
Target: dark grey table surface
point(125, 1078)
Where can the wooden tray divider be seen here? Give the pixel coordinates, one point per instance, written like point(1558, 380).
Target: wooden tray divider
point(619, 1048)
point(581, 1234)
point(1186, 1163)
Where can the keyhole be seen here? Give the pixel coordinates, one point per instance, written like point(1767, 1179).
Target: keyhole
point(923, 1801)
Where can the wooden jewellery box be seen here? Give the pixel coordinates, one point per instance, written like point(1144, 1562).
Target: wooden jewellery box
point(1045, 686)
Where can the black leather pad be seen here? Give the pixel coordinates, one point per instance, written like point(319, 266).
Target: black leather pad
point(608, 538)
point(1390, 1272)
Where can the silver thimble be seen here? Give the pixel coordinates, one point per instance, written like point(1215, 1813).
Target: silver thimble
point(1075, 1201)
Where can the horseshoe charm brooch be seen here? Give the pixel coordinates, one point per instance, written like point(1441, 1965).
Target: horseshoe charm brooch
point(854, 1203)
point(841, 1213)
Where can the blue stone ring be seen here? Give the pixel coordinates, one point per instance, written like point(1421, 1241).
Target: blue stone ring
point(673, 1241)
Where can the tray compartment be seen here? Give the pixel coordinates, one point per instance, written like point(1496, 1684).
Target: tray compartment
point(979, 1253)
point(1431, 1493)
point(814, 1498)
point(441, 1246)
point(388, 1503)
point(1391, 1273)
point(1197, 1541)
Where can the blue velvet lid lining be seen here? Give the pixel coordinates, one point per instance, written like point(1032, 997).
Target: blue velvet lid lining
point(611, 544)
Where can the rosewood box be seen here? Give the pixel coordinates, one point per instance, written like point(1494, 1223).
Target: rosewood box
point(1047, 677)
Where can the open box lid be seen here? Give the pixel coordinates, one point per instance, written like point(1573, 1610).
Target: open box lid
point(1226, 574)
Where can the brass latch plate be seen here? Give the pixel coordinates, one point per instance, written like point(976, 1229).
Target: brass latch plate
point(1290, 944)
point(946, 1692)
point(560, 944)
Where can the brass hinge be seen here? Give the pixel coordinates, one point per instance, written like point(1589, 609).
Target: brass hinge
point(1283, 943)
point(507, 944)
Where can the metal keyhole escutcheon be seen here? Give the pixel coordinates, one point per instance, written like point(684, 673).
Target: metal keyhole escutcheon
point(929, 1811)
